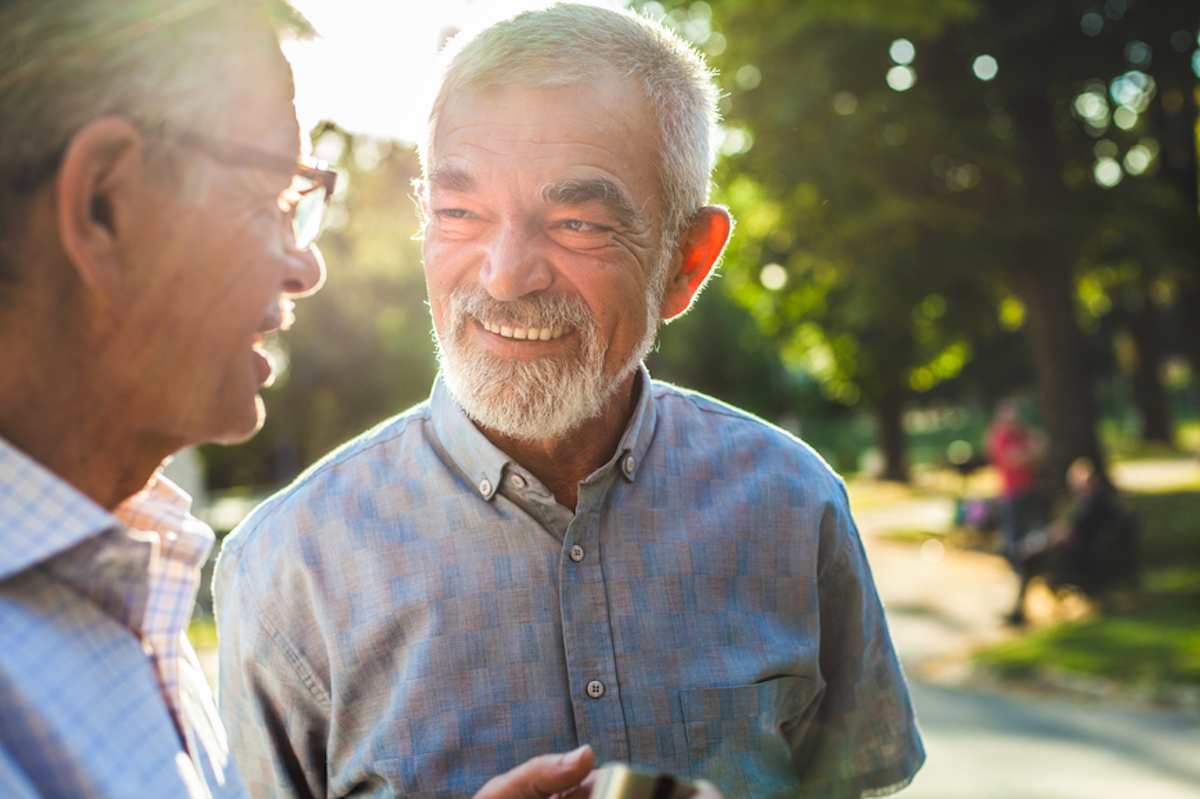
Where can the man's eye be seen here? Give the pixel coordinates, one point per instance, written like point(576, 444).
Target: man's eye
point(452, 213)
point(580, 226)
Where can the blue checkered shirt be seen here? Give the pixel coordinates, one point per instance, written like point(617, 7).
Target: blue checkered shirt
point(417, 613)
point(100, 693)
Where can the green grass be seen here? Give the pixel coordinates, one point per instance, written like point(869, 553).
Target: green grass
point(202, 632)
point(1153, 645)
point(1169, 523)
point(912, 537)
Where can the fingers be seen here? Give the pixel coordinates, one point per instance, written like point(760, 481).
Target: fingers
point(541, 777)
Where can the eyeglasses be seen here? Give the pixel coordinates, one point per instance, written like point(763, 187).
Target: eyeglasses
point(303, 202)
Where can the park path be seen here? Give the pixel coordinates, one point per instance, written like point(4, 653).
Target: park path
point(985, 743)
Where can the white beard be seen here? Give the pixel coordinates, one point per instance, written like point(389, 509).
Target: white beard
point(543, 398)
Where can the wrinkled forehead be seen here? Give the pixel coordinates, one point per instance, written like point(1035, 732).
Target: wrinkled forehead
point(605, 126)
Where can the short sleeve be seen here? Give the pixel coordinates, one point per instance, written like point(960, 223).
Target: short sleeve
point(272, 708)
point(865, 741)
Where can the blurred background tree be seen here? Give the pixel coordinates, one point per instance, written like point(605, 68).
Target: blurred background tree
point(909, 175)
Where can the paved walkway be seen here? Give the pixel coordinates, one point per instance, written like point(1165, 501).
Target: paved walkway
point(983, 743)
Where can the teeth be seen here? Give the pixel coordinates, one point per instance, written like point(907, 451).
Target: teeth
point(523, 333)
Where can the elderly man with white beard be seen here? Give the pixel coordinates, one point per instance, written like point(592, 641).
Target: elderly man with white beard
point(555, 549)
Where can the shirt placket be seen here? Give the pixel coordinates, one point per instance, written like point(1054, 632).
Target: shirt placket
point(587, 632)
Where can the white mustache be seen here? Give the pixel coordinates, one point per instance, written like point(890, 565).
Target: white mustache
point(550, 311)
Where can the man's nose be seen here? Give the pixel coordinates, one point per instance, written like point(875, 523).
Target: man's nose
point(305, 272)
point(515, 265)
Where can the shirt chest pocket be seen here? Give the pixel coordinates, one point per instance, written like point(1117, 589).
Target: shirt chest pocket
point(742, 737)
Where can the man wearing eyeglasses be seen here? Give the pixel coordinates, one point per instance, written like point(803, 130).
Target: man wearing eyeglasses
point(155, 228)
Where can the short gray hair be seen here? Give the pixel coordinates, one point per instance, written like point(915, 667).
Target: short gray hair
point(64, 63)
point(569, 44)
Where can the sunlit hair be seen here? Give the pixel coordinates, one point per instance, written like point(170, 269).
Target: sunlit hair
point(159, 63)
point(570, 44)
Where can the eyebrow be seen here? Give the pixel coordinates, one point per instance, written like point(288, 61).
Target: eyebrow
point(451, 178)
point(577, 191)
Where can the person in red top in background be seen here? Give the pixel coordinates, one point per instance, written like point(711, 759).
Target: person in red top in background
point(1015, 451)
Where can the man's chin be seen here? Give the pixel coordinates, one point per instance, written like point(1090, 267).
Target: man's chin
point(245, 429)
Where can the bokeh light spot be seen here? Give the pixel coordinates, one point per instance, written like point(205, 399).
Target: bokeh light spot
point(901, 79)
point(1134, 89)
point(902, 52)
point(844, 104)
point(1093, 107)
point(1138, 159)
point(748, 77)
point(985, 67)
point(773, 277)
point(1107, 172)
point(736, 141)
point(1092, 24)
point(1138, 53)
point(1125, 117)
point(715, 44)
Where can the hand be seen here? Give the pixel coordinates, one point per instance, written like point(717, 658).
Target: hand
point(705, 790)
point(542, 777)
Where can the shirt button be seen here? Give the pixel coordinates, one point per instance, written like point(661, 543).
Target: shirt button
point(485, 487)
point(517, 481)
point(577, 555)
point(595, 689)
point(629, 465)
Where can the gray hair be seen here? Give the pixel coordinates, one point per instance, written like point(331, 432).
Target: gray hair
point(64, 63)
point(569, 44)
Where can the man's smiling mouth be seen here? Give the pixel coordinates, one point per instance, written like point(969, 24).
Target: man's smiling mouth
point(523, 333)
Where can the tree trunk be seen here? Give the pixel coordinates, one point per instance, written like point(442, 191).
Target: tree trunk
point(889, 421)
point(1180, 165)
point(1064, 381)
point(1044, 280)
point(1189, 300)
point(1149, 393)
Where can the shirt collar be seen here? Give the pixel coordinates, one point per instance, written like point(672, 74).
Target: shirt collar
point(144, 572)
point(631, 450)
point(41, 515)
point(483, 462)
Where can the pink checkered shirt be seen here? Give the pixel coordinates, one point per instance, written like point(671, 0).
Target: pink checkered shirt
point(180, 544)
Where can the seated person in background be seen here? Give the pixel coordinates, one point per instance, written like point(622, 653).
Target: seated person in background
point(1094, 547)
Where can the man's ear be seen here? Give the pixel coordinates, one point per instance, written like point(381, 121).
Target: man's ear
point(700, 246)
point(100, 170)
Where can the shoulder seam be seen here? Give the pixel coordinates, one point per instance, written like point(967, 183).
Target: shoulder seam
point(270, 506)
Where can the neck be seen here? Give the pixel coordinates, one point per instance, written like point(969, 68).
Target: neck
point(74, 425)
point(562, 463)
